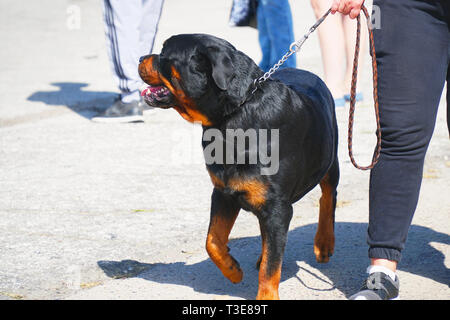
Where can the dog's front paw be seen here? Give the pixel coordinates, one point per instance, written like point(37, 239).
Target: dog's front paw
point(234, 272)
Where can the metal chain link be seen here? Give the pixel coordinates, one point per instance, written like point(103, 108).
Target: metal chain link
point(293, 48)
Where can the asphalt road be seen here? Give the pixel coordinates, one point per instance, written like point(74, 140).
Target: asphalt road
point(109, 211)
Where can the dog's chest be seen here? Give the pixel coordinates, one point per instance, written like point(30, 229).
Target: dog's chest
point(251, 192)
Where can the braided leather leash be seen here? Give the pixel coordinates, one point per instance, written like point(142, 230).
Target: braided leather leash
point(377, 151)
point(296, 46)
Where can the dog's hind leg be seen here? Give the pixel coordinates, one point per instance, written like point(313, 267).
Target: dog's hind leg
point(224, 211)
point(324, 239)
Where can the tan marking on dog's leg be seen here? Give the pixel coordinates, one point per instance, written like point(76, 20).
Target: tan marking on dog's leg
point(216, 246)
point(268, 281)
point(324, 239)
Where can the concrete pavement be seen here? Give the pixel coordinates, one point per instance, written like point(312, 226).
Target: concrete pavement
point(109, 211)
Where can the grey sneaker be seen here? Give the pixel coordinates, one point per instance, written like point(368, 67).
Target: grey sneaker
point(378, 286)
point(120, 112)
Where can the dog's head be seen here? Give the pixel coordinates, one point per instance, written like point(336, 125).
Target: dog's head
point(203, 77)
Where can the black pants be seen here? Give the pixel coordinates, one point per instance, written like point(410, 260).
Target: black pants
point(413, 54)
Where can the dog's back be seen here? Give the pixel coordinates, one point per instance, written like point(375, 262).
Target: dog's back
point(309, 85)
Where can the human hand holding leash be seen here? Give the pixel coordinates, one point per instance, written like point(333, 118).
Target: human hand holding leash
point(350, 7)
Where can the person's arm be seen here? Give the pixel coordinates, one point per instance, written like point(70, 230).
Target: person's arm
point(350, 7)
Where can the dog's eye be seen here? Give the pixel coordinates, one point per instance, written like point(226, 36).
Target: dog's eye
point(196, 59)
point(199, 63)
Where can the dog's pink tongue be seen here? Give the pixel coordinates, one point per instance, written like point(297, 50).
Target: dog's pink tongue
point(145, 91)
point(150, 89)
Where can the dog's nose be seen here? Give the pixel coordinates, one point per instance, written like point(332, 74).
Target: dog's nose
point(143, 57)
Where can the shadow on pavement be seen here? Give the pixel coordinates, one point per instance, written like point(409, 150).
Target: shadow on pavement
point(345, 271)
point(72, 95)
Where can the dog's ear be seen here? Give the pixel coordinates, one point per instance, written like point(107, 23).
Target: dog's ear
point(222, 68)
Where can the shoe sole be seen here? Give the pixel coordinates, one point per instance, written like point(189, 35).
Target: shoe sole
point(118, 119)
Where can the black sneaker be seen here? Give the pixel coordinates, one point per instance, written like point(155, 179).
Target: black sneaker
point(120, 112)
point(378, 286)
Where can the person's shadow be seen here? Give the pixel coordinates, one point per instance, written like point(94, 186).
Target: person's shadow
point(345, 271)
point(71, 94)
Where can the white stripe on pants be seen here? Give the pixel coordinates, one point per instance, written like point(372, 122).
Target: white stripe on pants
point(131, 27)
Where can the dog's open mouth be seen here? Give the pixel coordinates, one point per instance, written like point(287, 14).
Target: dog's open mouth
point(156, 94)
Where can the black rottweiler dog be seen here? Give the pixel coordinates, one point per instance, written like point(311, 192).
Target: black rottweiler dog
point(207, 80)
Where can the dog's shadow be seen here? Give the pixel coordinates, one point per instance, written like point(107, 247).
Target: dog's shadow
point(344, 272)
point(75, 97)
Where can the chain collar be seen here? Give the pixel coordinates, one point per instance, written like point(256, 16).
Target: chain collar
point(293, 48)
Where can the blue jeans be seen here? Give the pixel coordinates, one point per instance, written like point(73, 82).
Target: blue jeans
point(275, 32)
